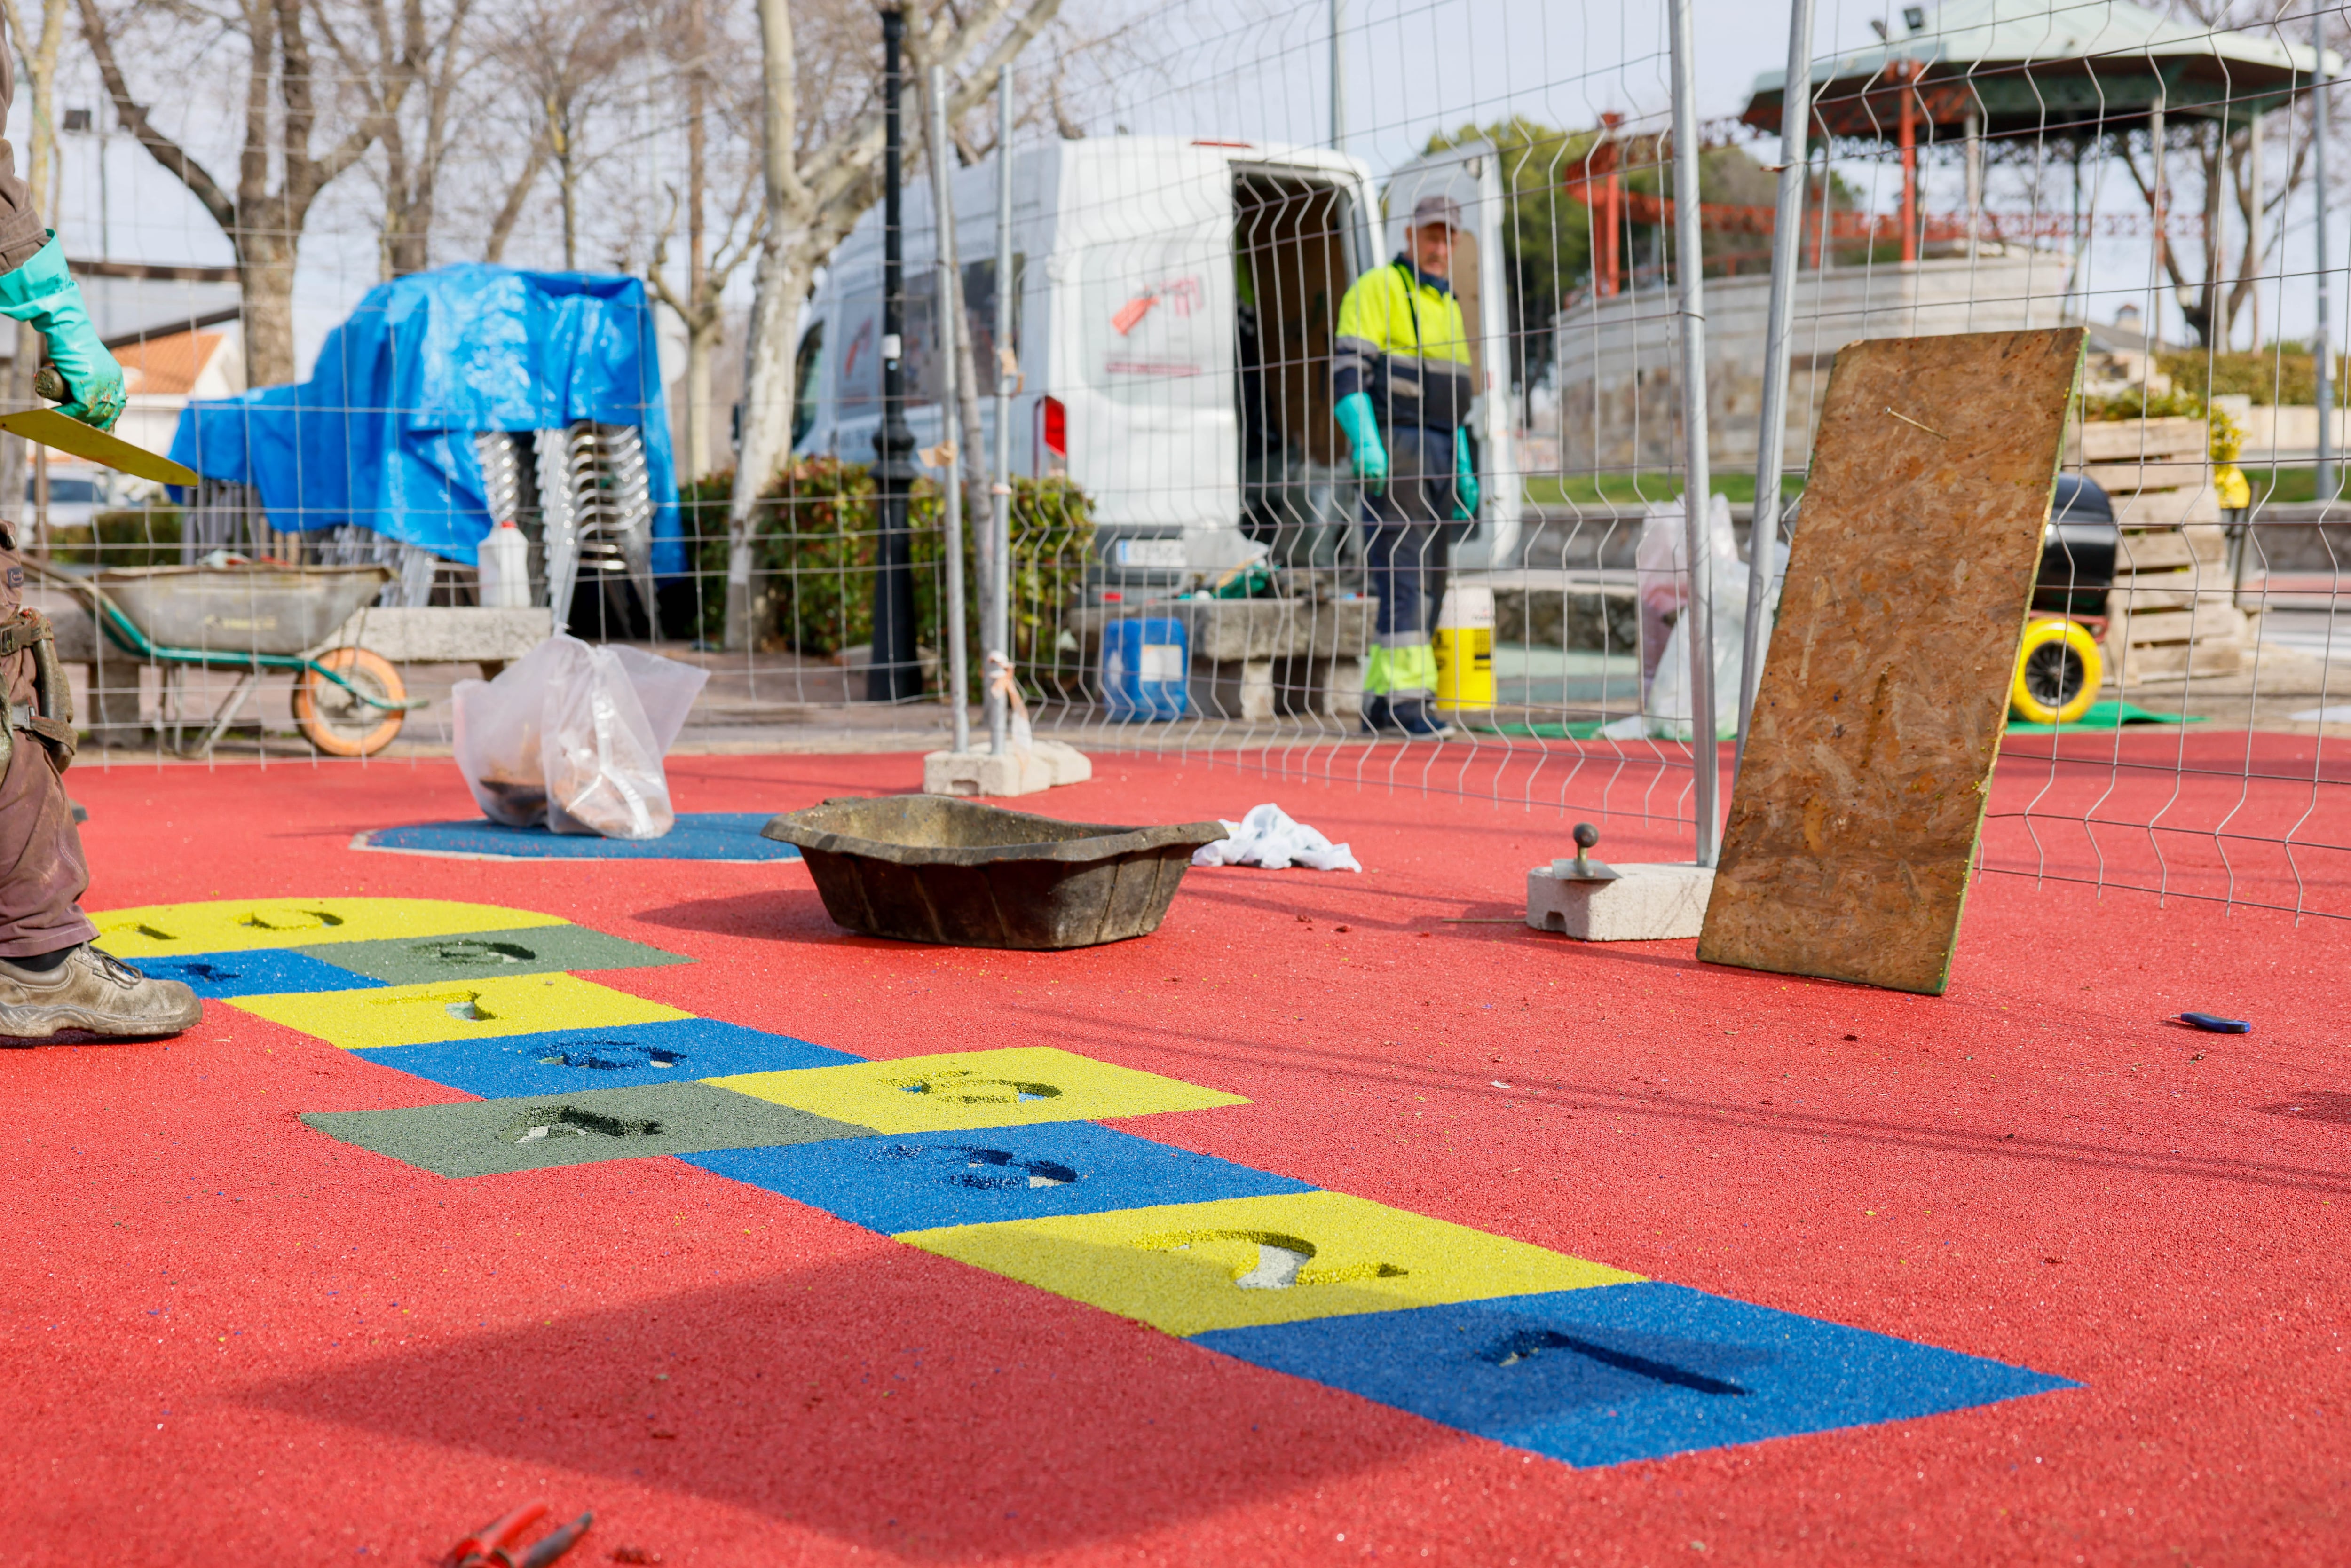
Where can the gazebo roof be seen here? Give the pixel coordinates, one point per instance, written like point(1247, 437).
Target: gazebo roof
point(2067, 68)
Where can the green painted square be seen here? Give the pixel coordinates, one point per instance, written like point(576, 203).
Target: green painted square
point(485, 1137)
point(480, 955)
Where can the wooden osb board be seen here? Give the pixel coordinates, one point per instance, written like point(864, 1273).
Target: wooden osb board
point(1885, 693)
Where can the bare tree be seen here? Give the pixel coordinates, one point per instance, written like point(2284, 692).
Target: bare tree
point(821, 168)
point(409, 82)
point(707, 271)
point(280, 173)
point(39, 52)
point(566, 55)
point(2211, 290)
point(509, 213)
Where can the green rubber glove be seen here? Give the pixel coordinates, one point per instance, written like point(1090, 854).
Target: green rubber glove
point(43, 293)
point(1465, 479)
point(1362, 427)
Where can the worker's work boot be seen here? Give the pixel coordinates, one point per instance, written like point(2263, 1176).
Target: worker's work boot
point(1404, 715)
point(95, 992)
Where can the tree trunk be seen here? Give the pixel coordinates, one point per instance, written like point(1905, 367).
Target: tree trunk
point(509, 212)
point(265, 267)
point(407, 216)
point(701, 325)
point(781, 286)
point(570, 221)
point(701, 338)
point(20, 392)
point(407, 249)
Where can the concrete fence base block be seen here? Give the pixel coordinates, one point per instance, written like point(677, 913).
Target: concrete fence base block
point(1644, 904)
point(969, 773)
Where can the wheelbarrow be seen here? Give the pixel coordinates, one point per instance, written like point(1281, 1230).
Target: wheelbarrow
point(258, 618)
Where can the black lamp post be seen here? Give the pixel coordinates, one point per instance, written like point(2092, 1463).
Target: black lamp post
point(896, 672)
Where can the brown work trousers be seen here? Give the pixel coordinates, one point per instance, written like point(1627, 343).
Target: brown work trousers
point(42, 873)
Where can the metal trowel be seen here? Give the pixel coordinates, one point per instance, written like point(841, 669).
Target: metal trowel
point(66, 434)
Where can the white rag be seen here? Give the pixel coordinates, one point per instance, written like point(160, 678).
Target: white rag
point(1267, 837)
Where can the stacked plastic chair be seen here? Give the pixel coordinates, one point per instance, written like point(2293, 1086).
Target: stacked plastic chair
point(595, 510)
point(581, 495)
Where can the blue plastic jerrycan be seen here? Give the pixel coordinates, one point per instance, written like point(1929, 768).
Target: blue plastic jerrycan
point(1146, 664)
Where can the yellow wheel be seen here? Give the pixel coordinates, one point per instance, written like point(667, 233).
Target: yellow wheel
point(2057, 674)
point(338, 723)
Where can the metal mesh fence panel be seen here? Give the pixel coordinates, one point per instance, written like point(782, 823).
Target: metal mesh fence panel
point(1199, 561)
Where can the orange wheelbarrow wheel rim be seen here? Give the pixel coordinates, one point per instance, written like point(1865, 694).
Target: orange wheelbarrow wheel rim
point(336, 722)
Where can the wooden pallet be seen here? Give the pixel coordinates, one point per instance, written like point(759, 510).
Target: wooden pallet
point(2171, 614)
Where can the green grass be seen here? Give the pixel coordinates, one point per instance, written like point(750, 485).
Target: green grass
point(1632, 489)
point(2292, 484)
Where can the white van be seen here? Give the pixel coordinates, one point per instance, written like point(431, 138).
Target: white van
point(1173, 321)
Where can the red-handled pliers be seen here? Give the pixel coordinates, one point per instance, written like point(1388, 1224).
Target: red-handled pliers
point(494, 1545)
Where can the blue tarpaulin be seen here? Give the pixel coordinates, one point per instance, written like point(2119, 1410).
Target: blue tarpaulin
point(382, 434)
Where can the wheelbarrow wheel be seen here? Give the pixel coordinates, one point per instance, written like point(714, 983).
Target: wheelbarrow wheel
point(340, 724)
point(2057, 672)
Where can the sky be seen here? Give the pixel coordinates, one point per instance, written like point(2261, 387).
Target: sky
point(1240, 69)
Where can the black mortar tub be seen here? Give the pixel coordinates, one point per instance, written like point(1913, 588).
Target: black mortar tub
point(927, 868)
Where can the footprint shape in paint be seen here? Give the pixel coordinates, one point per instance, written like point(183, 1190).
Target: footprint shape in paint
point(1281, 1261)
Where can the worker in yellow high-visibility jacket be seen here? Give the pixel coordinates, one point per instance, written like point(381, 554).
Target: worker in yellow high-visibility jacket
point(1403, 385)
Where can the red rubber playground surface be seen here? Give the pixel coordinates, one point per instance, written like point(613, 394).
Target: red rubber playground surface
point(205, 1361)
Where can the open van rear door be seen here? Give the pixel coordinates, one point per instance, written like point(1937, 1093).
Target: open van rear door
point(1471, 174)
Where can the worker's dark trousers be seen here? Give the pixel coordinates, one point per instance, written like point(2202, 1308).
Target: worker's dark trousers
point(42, 873)
point(1407, 544)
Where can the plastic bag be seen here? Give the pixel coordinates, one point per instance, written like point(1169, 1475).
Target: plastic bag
point(497, 725)
point(1662, 581)
point(1661, 571)
point(572, 737)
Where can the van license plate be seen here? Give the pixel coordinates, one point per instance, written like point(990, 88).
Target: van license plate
point(1166, 555)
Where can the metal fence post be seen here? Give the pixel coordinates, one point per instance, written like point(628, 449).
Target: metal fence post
point(1698, 620)
point(896, 671)
point(951, 331)
point(1770, 448)
point(995, 632)
point(1338, 76)
point(2325, 356)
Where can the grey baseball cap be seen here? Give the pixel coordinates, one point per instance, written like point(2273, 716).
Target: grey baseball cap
point(1431, 209)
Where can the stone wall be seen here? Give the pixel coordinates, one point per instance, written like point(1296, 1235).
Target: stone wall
point(1618, 359)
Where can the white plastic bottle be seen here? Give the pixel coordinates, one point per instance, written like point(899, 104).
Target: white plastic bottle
point(503, 564)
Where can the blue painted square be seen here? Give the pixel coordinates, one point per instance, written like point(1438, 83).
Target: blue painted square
point(900, 1182)
point(1629, 1372)
point(565, 1060)
point(264, 972)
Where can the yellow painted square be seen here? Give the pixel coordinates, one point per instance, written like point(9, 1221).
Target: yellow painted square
point(1009, 1088)
point(456, 1009)
point(237, 925)
point(1180, 1267)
